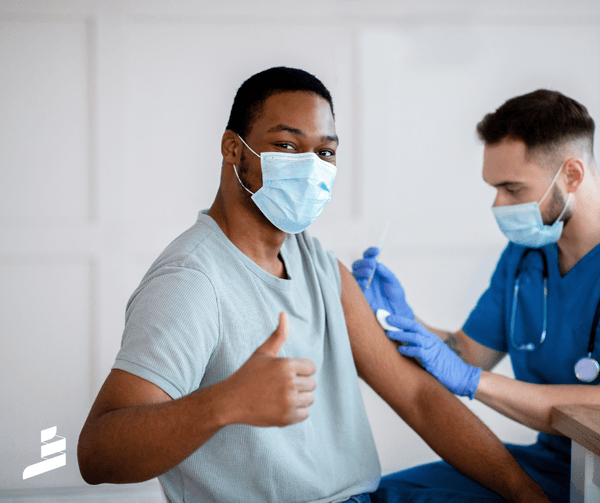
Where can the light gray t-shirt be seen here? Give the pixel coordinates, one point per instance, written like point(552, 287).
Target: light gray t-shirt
point(199, 313)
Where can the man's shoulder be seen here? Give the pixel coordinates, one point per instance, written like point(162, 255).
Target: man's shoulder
point(192, 249)
point(186, 266)
point(325, 261)
point(312, 246)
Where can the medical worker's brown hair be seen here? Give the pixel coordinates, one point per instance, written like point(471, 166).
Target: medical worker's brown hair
point(544, 120)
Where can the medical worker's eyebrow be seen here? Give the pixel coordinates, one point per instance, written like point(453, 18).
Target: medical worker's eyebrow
point(506, 184)
point(299, 132)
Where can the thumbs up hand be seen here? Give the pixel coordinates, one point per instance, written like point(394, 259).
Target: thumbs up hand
point(273, 391)
point(272, 346)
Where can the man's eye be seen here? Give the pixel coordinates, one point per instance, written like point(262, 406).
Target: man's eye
point(286, 146)
point(326, 153)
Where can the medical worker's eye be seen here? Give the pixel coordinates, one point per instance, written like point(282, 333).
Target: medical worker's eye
point(513, 189)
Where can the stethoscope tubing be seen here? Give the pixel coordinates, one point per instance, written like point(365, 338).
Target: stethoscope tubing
point(587, 368)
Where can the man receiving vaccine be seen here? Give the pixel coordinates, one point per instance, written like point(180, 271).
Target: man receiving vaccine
point(543, 303)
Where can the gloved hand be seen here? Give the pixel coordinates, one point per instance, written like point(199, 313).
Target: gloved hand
point(385, 291)
point(435, 356)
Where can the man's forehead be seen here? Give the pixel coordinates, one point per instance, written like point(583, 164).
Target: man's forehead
point(300, 132)
point(509, 161)
point(278, 98)
point(507, 149)
point(298, 112)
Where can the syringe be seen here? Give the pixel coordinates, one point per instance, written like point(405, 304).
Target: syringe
point(383, 236)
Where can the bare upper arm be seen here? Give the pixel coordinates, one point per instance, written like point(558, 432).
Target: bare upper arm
point(121, 390)
point(397, 379)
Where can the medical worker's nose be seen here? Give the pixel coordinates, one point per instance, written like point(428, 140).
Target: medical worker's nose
point(500, 200)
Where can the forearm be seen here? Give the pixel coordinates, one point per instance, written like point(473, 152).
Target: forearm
point(531, 404)
point(138, 443)
point(450, 338)
point(456, 434)
point(469, 351)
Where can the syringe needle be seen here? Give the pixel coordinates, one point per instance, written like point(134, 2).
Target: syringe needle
point(383, 236)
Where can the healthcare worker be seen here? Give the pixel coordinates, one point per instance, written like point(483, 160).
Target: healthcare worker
point(542, 305)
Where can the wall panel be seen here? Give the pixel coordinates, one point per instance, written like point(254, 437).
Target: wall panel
point(425, 88)
point(182, 78)
point(45, 327)
point(44, 130)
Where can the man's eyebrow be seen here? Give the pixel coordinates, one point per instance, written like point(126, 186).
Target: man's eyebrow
point(505, 184)
point(299, 132)
point(283, 127)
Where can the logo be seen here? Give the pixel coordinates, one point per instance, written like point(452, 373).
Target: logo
point(49, 449)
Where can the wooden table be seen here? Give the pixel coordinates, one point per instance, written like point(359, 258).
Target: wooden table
point(581, 423)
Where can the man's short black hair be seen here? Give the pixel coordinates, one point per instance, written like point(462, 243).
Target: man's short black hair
point(543, 120)
point(252, 94)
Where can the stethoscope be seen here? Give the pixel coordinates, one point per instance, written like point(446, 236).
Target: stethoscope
point(587, 368)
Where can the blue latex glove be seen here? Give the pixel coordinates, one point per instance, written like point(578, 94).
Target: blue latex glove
point(435, 356)
point(385, 291)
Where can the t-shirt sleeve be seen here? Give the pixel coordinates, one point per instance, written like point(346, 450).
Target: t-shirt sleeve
point(171, 330)
point(486, 323)
point(325, 260)
point(335, 266)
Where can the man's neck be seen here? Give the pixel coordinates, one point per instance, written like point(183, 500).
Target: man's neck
point(252, 234)
point(579, 237)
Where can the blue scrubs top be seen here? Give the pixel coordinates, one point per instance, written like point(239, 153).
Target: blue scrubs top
point(572, 302)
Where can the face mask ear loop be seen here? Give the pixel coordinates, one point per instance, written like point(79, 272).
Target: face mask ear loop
point(238, 177)
point(545, 193)
point(235, 169)
point(565, 208)
point(247, 145)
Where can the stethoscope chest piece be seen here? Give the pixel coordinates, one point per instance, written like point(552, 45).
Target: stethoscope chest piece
point(587, 368)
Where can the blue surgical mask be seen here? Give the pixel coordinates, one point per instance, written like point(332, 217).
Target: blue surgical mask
point(295, 188)
point(523, 225)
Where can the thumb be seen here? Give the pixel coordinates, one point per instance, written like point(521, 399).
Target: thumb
point(404, 323)
point(275, 342)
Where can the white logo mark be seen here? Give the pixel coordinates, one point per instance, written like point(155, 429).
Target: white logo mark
point(48, 449)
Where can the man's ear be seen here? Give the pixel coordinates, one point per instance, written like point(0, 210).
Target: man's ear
point(575, 170)
point(231, 147)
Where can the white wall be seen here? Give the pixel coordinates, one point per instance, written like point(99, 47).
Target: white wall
point(111, 114)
